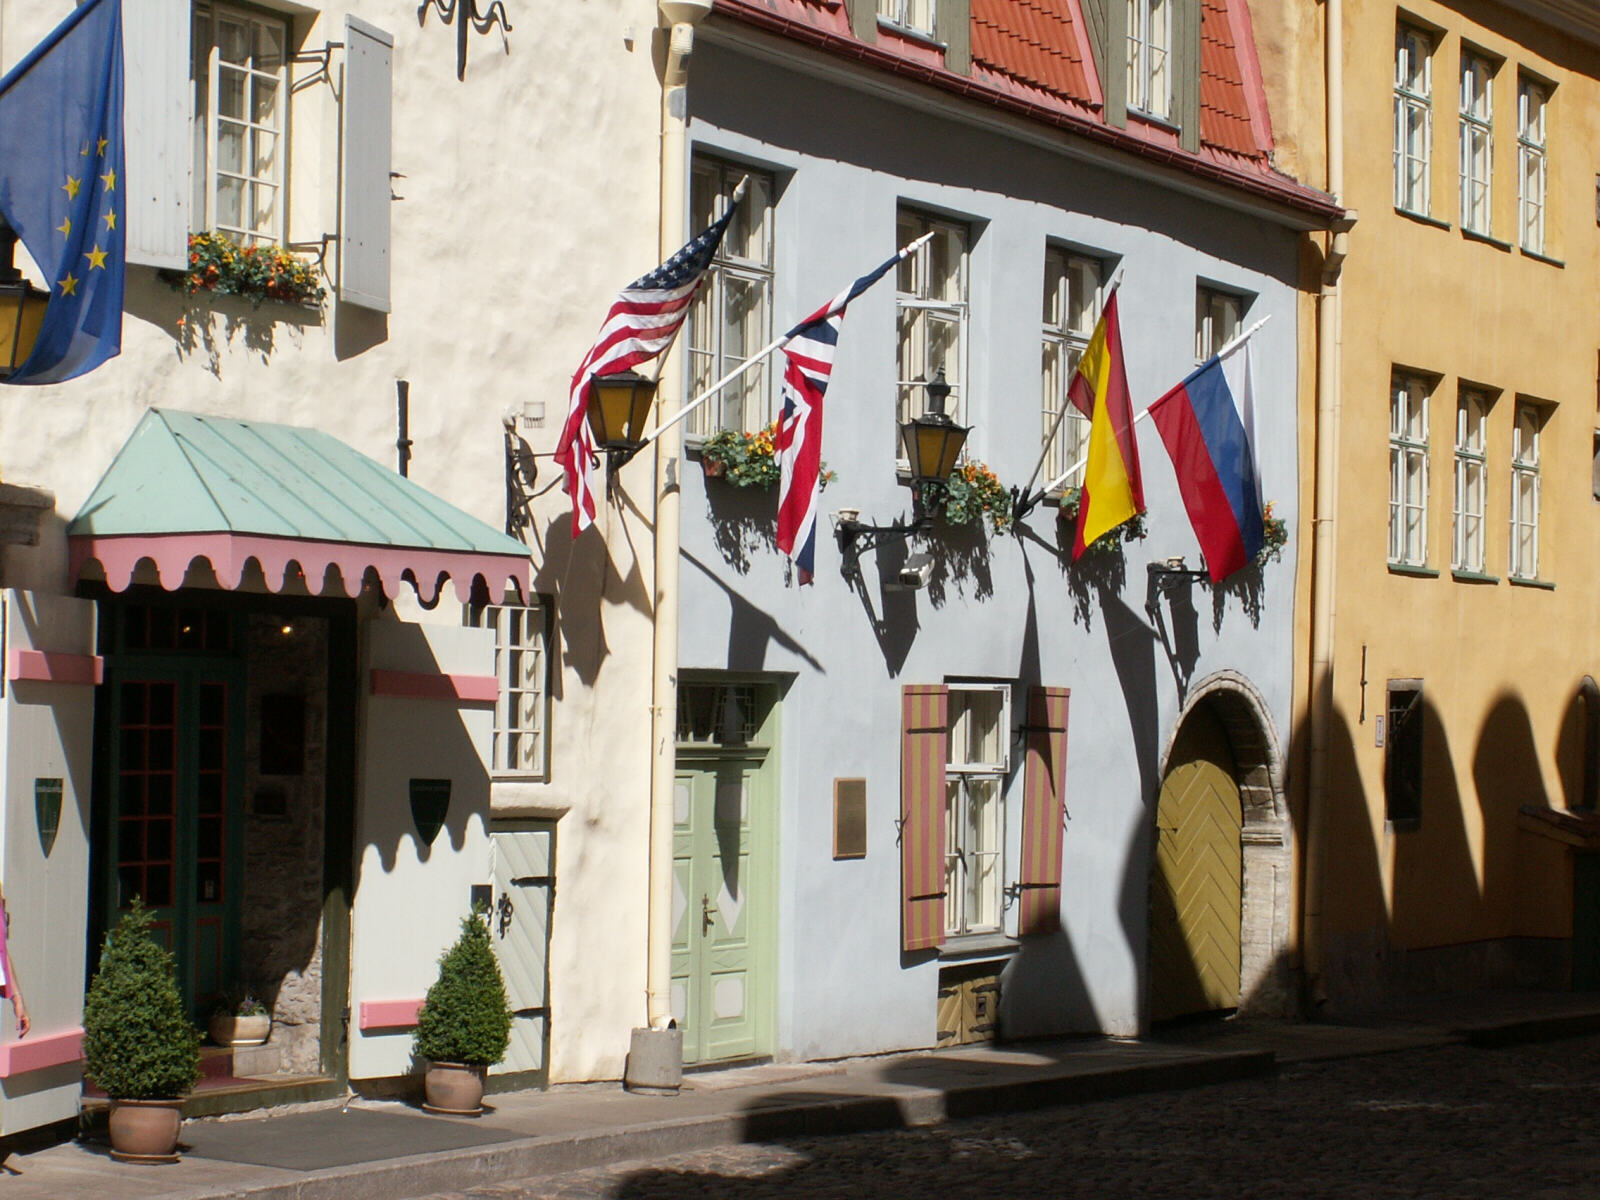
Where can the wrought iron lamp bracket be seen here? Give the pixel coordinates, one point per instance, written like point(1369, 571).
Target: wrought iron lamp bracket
point(468, 15)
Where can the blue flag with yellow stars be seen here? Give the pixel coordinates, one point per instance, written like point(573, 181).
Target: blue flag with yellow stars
point(61, 186)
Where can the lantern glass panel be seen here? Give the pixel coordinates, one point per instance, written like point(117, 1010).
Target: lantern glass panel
point(21, 313)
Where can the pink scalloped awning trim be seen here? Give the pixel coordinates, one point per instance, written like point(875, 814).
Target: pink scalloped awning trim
point(171, 554)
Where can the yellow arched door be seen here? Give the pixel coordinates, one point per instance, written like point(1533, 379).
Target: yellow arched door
point(1195, 886)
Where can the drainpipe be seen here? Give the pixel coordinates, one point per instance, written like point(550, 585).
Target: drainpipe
point(1329, 345)
point(655, 1056)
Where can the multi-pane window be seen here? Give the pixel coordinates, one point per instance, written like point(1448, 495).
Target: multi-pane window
point(932, 315)
point(1408, 470)
point(521, 664)
point(979, 747)
point(917, 15)
point(1525, 493)
point(241, 98)
point(1071, 308)
point(1149, 48)
point(1531, 101)
point(1402, 753)
point(1413, 118)
point(732, 314)
point(1477, 141)
point(1217, 317)
point(1471, 469)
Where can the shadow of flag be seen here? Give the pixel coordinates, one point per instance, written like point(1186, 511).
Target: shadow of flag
point(62, 187)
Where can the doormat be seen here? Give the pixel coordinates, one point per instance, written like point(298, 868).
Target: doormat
point(313, 1141)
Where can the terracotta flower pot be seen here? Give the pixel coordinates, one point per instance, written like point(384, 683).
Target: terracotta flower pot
point(453, 1088)
point(145, 1130)
point(240, 1031)
point(714, 468)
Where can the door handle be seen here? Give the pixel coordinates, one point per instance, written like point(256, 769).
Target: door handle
point(707, 911)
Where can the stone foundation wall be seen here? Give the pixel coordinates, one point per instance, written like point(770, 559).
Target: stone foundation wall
point(281, 921)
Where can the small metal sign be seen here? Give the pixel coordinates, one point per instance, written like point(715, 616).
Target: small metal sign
point(47, 811)
point(430, 802)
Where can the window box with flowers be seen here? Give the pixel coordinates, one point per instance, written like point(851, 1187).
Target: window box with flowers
point(1131, 530)
point(972, 492)
point(1274, 536)
point(255, 272)
point(747, 459)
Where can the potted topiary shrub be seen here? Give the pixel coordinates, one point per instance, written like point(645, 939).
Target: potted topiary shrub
point(138, 1045)
point(464, 1025)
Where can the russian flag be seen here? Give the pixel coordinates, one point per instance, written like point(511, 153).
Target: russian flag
point(1207, 424)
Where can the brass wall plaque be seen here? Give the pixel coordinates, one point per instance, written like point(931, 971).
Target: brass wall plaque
point(849, 818)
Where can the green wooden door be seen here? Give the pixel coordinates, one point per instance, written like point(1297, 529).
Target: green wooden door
point(1196, 886)
point(722, 935)
point(174, 838)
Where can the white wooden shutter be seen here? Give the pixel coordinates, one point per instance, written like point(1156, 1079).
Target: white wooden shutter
point(156, 98)
point(364, 202)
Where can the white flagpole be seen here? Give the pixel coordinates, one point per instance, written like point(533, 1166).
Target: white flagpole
point(739, 370)
point(1225, 351)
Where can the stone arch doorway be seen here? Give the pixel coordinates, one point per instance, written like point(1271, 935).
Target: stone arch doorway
point(1220, 874)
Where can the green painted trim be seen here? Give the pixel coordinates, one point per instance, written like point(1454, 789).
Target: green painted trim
point(1543, 585)
point(1409, 569)
point(1421, 218)
point(1473, 577)
point(1472, 235)
point(1544, 258)
point(1186, 73)
point(1114, 64)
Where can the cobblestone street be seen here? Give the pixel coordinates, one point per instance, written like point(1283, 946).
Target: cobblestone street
point(1452, 1122)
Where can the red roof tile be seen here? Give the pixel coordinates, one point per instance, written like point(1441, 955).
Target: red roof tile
point(1224, 106)
point(1031, 41)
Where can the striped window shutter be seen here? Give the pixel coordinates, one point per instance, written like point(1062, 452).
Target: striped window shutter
point(1043, 807)
point(368, 125)
point(924, 738)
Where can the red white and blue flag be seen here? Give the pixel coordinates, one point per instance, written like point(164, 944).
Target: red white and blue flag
point(1207, 423)
point(640, 326)
point(808, 351)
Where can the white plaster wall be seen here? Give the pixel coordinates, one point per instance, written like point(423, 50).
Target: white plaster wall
point(46, 730)
point(1011, 612)
point(528, 198)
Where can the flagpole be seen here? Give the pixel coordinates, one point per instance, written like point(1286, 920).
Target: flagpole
point(755, 358)
point(1229, 348)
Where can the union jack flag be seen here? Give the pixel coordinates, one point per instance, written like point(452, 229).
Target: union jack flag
point(808, 352)
point(640, 326)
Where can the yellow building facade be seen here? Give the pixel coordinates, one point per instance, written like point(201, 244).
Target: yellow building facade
point(1447, 755)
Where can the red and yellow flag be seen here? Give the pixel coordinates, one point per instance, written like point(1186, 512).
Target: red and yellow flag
point(1113, 491)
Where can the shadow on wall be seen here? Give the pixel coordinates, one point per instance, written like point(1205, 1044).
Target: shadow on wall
point(210, 325)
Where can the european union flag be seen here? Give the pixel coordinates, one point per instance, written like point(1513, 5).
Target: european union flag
point(61, 186)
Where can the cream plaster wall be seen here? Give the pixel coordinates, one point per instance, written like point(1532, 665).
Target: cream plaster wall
point(527, 197)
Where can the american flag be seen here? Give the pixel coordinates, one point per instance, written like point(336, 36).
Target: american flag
point(808, 350)
point(641, 325)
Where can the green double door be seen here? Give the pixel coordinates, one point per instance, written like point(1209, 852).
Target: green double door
point(722, 886)
point(172, 831)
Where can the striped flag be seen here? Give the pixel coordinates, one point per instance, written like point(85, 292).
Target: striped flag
point(808, 352)
point(1113, 490)
point(640, 326)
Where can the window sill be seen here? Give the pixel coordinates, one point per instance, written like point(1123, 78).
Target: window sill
point(1421, 218)
point(913, 35)
point(1150, 118)
point(1543, 585)
point(1419, 572)
point(1472, 235)
point(978, 947)
point(1473, 577)
point(1544, 258)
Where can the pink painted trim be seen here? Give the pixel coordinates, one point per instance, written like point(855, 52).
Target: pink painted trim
point(296, 562)
point(37, 1053)
point(418, 685)
point(389, 1014)
point(1255, 91)
point(53, 666)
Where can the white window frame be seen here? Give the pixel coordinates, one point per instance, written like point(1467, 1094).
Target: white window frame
point(1533, 99)
point(208, 69)
point(746, 403)
point(522, 710)
point(1523, 560)
point(1471, 481)
point(1413, 115)
point(918, 16)
point(1408, 469)
point(964, 782)
point(1074, 284)
point(1476, 166)
point(1218, 319)
point(1150, 57)
point(916, 308)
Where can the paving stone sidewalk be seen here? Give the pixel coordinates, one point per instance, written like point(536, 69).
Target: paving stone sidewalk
point(373, 1149)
